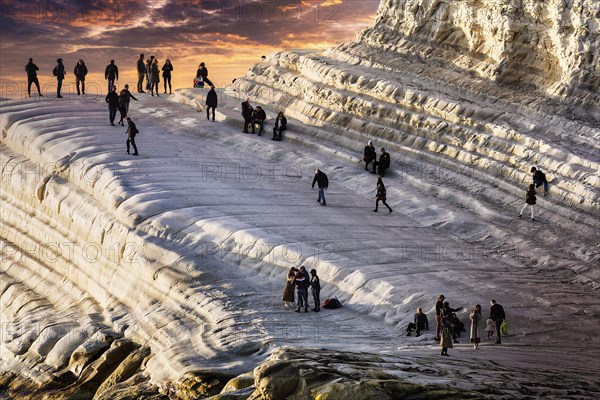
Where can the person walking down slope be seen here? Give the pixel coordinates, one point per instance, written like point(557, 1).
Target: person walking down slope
point(167, 69)
point(80, 72)
point(369, 155)
point(112, 98)
point(315, 284)
point(539, 179)
point(381, 195)
point(476, 324)
point(497, 315)
point(111, 74)
point(288, 289)
point(211, 103)
point(141, 70)
point(154, 78)
point(59, 73)
point(530, 198)
point(32, 70)
point(125, 97)
point(131, 132)
point(323, 183)
point(203, 72)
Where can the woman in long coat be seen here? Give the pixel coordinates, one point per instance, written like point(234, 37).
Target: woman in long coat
point(476, 324)
point(154, 77)
point(288, 290)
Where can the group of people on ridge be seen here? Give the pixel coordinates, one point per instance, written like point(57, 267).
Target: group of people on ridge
point(299, 279)
point(150, 71)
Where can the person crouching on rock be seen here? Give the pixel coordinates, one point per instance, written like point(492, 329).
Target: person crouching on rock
point(131, 132)
point(420, 323)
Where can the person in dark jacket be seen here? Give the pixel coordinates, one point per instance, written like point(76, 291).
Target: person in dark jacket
point(203, 72)
point(301, 281)
point(381, 195)
point(148, 67)
point(125, 97)
point(280, 126)
point(141, 70)
point(539, 179)
point(384, 162)
point(131, 132)
point(447, 312)
point(154, 77)
point(323, 183)
point(497, 315)
point(111, 73)
point(439, 305)
point(315, 284)
point(211, 103)
point(369, 155)
point(530, 199)
point(80, 72)
point(420, 323)
point(59, 73)
point(258, 118)
point(112, 98)
point(247, 111)
point(167, 69)
point(32, 70)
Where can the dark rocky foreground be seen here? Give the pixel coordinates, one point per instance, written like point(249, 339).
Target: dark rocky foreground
point(288, 374)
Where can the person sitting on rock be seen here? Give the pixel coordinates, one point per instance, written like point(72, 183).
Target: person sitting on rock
point(420, 323)
point(280, 126)
point(384, 162)
point(258, 118)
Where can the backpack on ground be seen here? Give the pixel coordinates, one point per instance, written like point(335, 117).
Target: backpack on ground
point(198, 82)
point(332, 303)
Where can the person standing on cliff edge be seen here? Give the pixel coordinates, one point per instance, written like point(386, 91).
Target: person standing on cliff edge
point(32, 70)
point(59, 73)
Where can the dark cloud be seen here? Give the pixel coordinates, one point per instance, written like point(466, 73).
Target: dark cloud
point(100, 30)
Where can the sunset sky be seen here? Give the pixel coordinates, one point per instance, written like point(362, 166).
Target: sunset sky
point(228, 35)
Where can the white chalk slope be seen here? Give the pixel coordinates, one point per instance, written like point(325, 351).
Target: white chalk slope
point(186, 247)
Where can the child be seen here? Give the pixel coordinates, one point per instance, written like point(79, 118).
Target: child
point(491, 327)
